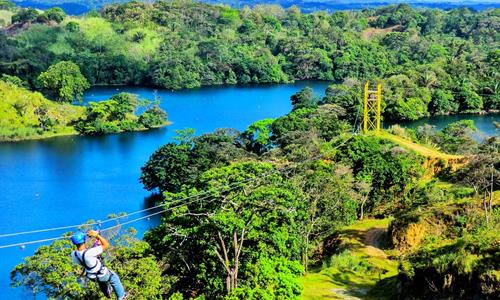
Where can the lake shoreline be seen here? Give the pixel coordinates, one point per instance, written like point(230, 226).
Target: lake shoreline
point(73, 132)
point(168, 123)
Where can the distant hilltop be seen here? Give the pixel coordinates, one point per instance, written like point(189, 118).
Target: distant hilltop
point(76, 7)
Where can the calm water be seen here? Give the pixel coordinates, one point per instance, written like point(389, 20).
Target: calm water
point(483, 123)
point(69, 180)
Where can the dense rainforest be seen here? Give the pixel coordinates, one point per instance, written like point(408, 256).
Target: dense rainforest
point(252, 214)
point(76, 7)
point(247, 214)
point(429, 61)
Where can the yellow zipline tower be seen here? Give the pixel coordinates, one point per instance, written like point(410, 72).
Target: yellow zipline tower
point(371, 111)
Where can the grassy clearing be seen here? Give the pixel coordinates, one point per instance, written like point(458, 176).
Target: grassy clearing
point(372, 32)
point(21, 111)
point(362, 271)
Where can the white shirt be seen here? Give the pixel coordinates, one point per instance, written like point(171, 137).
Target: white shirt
point(91, 261)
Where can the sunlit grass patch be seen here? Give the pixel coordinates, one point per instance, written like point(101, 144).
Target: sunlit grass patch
point(143, 41)
point(318, 286)
point(94, 27)
point(357, 271)
point(369, 223)
point(5, 18)
point(353, 273)
point(19, 119)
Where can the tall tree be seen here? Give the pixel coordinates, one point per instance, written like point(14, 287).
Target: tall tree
point(65, 81)
point(305, 98)
point(238, 223)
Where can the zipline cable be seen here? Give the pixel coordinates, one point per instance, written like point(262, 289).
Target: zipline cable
point(225, 189)
point(147, 209)
point(140, 218)
point(107, 220)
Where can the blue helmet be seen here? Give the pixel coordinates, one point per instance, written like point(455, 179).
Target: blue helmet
point(78, 238)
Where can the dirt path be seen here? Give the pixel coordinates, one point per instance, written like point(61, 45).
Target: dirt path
point(364, 240)
point(345, 294)
point(373, 241)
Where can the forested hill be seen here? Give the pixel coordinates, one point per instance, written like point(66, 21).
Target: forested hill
point(429, 61)
point(76, 7)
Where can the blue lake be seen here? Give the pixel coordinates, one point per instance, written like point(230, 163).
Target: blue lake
point(69, 180)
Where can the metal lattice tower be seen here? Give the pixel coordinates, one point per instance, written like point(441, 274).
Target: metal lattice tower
point(371, 112)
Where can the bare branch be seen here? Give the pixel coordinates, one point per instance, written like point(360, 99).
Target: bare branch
point(223, 247)
point(222, 260)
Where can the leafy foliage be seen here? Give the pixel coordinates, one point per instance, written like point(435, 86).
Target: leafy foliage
point(429, 61)
point(390, 170)
point(51, 271)
point(117, 115)
point(456, 137)
point(304, 99)
point(255, 222)
point(65, 81)
point(174, 165)
point(460, 261)
point(153, 117)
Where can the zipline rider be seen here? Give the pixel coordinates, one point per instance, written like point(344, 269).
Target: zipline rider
point(94, 267)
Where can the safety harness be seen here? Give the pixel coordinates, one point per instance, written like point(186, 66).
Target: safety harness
point(103, 285)
point(87, 268)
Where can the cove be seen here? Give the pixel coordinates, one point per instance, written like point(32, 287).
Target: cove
point(484, 123)
point(69, 180)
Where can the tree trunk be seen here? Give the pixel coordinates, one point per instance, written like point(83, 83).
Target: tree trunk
point(228, 283)
point(361, 214)
point(231, 272)
point(224, 261)
point(485, 208)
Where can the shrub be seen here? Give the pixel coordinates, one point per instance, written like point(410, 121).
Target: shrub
point(153, 117)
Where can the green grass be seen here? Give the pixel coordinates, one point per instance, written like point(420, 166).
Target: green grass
point(147, 46)
point(318, 286)
point(362, 271)
point(19, 119)
point(5, 18)
point(367, 224)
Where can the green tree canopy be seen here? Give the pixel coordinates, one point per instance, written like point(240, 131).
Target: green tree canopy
point(65, 81)
point(25, 15)
point(305, 98)
point(219, 240)
point(6, 4)
point(174, 165)
point(54, 14)
point(52, 272)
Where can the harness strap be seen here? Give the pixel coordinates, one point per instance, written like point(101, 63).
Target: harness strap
point(84, 264)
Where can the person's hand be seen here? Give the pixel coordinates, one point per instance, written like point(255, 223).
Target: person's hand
point(92, 233)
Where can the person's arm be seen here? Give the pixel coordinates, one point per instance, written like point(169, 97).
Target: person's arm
point(104, 242)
